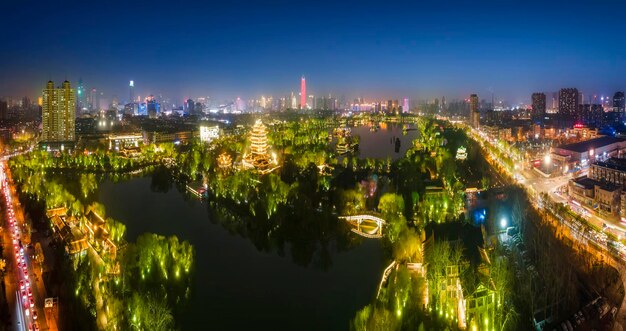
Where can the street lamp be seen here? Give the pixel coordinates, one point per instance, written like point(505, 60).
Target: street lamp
point(503, 222)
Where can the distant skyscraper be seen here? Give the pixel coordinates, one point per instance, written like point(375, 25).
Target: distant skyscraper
point(131, 91)
point(568, 101)
point(405, 105)
point(58, 113)
point(474, 112)
point(93, 102)
point(81, 96)
point(294, 101)
point(539, 107)
point(152, 107)
point(190, 106)
point(303, 93)
point(618, 102)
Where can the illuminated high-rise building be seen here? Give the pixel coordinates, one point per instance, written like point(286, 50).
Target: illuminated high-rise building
point(474, 112)
point(405, 105)
point(131, 91)
point(568, 101)
point(568, 105)
point(303, 93)
point(58, 113)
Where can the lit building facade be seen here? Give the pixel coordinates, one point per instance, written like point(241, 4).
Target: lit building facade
point(258, 156)
point(208, 133)
point(58, 113)
point(568, 105)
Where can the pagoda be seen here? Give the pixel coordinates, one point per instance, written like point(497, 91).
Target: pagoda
point(258, 157)
point(224, 162)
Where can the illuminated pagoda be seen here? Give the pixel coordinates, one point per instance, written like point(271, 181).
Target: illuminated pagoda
point(461, 153)
point(258, 156)
point(224, 162)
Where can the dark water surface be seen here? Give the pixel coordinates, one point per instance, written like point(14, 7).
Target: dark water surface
point(380, 143)
point(236, 285)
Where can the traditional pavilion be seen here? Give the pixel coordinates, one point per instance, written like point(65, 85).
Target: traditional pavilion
point(225, 162)
point(258, 156)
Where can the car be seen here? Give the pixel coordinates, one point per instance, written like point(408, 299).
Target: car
point(30, 293)
point(27, 283)
point(24, 296)
point(34, 314)
point(25, 273)
point(31, 301)
point(36, 326)
point(30, 326)
point(21, 284)
point(22, 251)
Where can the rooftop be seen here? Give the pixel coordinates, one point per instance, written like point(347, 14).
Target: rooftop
point(585, 146)
point(613, 163)
point(589, 183)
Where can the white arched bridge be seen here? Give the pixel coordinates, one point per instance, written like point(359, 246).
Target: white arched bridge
point(368, 226)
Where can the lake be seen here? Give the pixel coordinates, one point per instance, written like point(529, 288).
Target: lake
point(240, 286)
point(379, 144)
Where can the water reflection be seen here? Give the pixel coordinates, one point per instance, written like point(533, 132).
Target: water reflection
point(299, 269)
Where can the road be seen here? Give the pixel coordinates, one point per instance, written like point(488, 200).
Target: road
point(613, 253)
point(19, 264)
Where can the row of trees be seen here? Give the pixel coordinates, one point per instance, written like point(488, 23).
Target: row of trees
point(144, 287)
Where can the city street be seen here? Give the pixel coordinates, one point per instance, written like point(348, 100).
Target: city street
point(535, 184)
point(19, 265)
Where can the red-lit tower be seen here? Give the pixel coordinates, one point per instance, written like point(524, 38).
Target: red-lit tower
point(303, 93)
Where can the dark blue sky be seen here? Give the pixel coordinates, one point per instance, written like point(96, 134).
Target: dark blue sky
point(357, 48)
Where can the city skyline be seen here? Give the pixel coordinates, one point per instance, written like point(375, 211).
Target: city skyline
point(454, 50)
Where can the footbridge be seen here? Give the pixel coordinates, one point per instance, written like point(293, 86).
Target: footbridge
point(368, 226)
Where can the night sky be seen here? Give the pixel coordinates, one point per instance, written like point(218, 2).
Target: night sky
point(381, 49)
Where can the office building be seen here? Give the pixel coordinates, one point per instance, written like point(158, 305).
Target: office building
point(58, 113)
